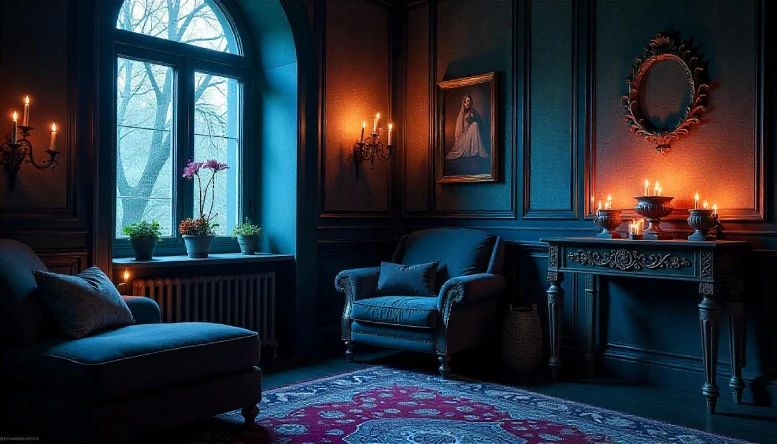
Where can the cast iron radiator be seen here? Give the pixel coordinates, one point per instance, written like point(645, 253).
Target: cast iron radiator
point(246, 300)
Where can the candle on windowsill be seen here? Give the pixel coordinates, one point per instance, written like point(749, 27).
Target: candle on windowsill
point(13, 128)
point(26, 113)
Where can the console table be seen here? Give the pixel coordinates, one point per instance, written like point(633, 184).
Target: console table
point(715, 265)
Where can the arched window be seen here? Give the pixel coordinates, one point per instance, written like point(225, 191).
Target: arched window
point(181, 76)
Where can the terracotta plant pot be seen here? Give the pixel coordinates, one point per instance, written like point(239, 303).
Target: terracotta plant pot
point(249, 243)
point(198, 245)
point(144, 248)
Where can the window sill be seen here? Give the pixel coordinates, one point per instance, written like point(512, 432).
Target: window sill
point(212, 259)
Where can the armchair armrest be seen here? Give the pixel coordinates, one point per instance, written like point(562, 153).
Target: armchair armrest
point(358, 283)
point(470, 290)
point(144, 310)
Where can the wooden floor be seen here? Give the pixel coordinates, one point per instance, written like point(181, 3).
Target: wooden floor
point(747, 422)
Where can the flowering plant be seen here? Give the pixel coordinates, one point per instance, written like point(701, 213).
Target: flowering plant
point(202, 223)
point(246, 229)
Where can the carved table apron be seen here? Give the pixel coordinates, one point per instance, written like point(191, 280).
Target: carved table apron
point(715, 265)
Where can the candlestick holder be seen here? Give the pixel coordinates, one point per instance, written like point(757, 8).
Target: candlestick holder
point(702, 221)
point(653, 208)
point(719, 228)
point(12, 155)
point(370, 149)
point(633, 236)
point(608, 221)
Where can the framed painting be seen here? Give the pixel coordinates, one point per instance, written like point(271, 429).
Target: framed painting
point(466, 148)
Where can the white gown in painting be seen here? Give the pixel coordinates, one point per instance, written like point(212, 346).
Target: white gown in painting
point(469, 142)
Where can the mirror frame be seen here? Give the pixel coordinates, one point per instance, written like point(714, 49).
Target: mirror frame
point(665, 48)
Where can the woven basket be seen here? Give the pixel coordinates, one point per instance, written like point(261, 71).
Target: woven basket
point(522, 339)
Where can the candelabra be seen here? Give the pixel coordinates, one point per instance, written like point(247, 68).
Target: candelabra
point(370, 149)
point(13, 154)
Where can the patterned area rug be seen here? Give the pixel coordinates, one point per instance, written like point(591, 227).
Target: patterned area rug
point(383, 405)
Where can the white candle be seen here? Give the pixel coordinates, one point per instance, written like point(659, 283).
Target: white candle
point(389, 134)
point(26, 114)
point(375, 123)
point(600, 205)
point(609, 202)
point(13, 128)
point(646, 186)
point(659, 191)
point(696, 200)
point(361, 138)
point(715, 208)
point(52, 146)
point(655, 189)
point(705, 205)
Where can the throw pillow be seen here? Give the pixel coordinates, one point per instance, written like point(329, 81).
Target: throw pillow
point(83, 304)
point(406, 280)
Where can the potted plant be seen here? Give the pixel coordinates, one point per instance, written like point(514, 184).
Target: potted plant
point(247, 236)
point(144, 237)
point(198, 233)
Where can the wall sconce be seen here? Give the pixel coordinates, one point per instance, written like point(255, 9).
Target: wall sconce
point(14, 151)
point(372, 147)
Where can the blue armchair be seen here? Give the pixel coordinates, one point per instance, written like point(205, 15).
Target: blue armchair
point(118, 383)
point(461, 316)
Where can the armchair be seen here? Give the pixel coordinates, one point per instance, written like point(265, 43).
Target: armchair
point(461, 316)
point(118, 383)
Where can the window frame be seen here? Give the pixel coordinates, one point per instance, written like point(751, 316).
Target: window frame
point(186, 59)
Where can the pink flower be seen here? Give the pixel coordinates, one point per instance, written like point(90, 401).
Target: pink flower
point(215, 165)
point(192, 169)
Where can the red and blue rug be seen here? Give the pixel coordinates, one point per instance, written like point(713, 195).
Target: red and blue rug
point(383, 405)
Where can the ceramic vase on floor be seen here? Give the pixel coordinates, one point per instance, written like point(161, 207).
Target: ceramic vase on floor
point(522, 339)
point(198, 246)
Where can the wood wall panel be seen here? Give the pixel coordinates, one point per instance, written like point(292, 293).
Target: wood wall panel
point(356, 86)
point(65, 262)
point(550, 155)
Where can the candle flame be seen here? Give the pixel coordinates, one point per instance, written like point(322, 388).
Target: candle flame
point(391, 125)
point(27, 100)
point(696, 197)
point(364, 124)
point(15, 116)
point(646, 182)
point(715, 207)
point(126, 275)
point(377, 116)
point(53, 127)
point(705, 205)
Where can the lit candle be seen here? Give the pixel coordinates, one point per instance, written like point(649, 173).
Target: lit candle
point(715, 208)
point(389, 135)
point(600, 205)
point(52, 146)
point(13, 128)
point(655, 189)
point(361, 138)
point(705, 205)
point(609, 202)
point(659, 191)
point(646, 186)
point(696, 200)
point(641, 225)
point(126, 275)
point(26, 114)
point(375, 123)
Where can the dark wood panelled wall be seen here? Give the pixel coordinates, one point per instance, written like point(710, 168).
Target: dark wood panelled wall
point(562, 66)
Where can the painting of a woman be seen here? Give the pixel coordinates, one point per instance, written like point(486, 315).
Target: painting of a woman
point(466, 147)
point(468, 139)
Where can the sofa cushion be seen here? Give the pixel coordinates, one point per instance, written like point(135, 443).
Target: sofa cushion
point(405, 311)
point(83, 304)
point(23, 317)
point(132, 359)
point(461, 251)
point(408, 280)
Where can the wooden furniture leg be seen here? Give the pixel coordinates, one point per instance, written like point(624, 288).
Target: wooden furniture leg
point(555, 309)
point(591, 292)
point(736, 343)
point(709, 321)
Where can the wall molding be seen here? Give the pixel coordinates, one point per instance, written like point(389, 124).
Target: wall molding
point(71, 262)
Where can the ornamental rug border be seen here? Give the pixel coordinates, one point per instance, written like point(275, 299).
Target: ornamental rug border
point(519, 404)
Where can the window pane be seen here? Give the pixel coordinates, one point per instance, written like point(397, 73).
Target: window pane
point(194, 22)
point(145, 94)
point(217, 122)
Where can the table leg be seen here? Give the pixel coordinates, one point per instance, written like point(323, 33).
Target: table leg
point(591, 291)
point(736, 343)
point(709, 321)
point(555, 309)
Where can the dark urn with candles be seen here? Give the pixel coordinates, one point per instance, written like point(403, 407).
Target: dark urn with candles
point(702, 221)
point(608, 221)
point(654, 208)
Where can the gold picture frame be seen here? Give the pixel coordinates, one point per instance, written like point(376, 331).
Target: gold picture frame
point(466, 142)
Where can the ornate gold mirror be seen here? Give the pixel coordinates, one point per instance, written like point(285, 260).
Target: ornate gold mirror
point(665, 99)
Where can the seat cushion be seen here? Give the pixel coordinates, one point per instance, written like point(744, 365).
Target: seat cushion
point(404, 311)
point(132, 359)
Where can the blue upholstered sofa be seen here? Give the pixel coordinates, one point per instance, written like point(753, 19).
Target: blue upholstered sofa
point(119, 383)
point(461, 316)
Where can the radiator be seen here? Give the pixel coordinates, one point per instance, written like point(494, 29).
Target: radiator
point(246, 300)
